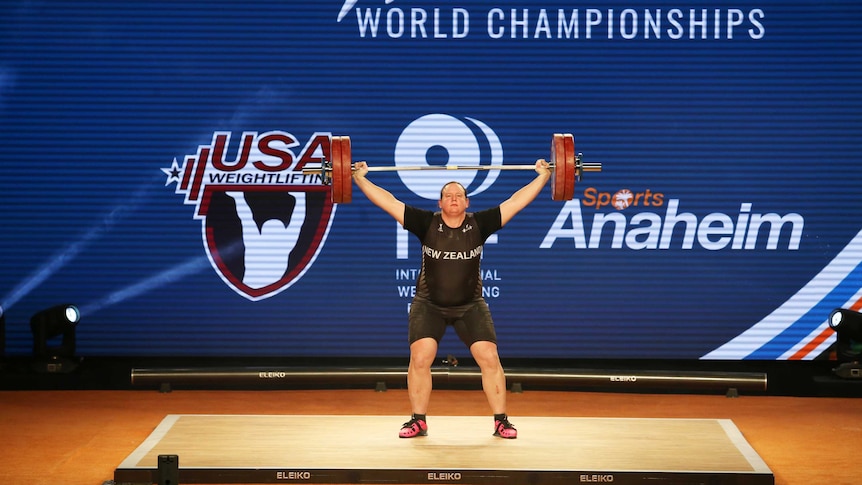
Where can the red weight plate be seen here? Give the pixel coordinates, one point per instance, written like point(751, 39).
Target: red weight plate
point(347, 171)
point(571, 169)
point(335, 160)
point(558, 177)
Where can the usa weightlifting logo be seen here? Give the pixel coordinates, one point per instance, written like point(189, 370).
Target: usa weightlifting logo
point(263, 222)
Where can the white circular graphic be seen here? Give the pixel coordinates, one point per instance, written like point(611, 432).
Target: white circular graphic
point(440, 140)
point(496, 155)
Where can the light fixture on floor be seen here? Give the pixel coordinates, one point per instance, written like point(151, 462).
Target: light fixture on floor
point(57, 321)
point(848, 346)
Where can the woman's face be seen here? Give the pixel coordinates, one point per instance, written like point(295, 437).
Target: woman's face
point(453, 199)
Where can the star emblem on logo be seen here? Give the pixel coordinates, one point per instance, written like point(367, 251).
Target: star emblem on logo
point(173, 172)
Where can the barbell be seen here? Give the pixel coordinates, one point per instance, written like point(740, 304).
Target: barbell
point(566, 168)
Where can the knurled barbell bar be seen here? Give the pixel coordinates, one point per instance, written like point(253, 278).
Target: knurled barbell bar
point(566, 168)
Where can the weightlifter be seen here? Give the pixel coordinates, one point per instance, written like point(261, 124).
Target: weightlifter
point(449, 288)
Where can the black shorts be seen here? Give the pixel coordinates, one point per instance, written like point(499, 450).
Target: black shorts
point(472, 322)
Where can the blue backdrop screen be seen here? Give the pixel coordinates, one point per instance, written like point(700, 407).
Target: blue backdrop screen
point(153, 155)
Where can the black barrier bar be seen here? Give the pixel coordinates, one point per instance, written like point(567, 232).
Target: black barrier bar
point(535, 379)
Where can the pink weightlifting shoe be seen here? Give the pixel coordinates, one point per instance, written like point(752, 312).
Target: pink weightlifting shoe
point(504, 429)
point(413, 428)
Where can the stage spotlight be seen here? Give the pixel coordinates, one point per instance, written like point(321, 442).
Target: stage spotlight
point(57, 321)
point(846, 322)
point(848, 346)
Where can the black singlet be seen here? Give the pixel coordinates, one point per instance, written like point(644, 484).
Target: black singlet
point(450, 273)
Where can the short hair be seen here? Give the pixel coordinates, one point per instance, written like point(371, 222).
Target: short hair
point(452, 182)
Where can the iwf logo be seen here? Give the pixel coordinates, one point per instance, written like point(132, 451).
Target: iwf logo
point(440, 139)
point(263, 221)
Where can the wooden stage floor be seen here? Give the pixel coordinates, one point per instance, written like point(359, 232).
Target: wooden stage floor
point(458, 449)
